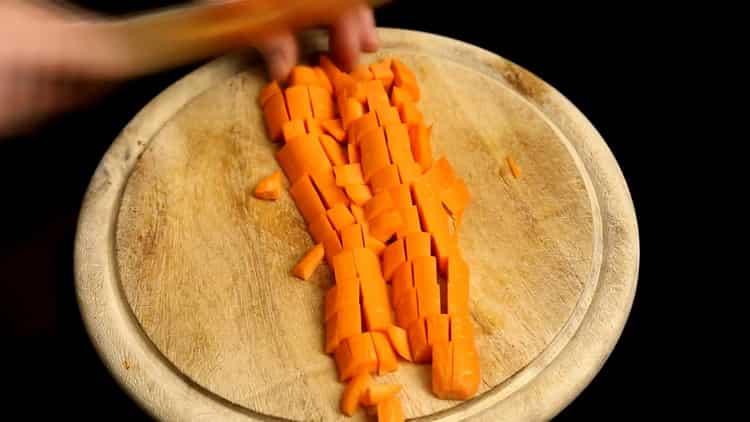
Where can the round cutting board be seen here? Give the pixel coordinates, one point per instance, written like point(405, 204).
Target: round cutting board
point(184, 278)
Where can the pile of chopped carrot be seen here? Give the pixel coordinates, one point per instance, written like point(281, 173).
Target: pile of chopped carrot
point(385, 216)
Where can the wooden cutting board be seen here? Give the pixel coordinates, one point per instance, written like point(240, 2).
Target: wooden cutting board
point(184, 278)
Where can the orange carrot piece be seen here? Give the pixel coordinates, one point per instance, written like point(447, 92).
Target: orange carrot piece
point(323, 80)
point(321, 103)
point(302, 155)
point(440, 175)
point(420, 350)
point(409, 113)
point(376, 95)
point(306, 198)
point(386, 358)
point(343, 358)
point(313, 127)
point(334, 128)
point(275, 114)
point(366, 123)
point(303, 75)
point(267, 92)
point(461, 327)
point(331, 194)
point(374, 153)
point(378, 393)
point(388, 116)
point(374, 245)
point(419, 136)
point(400, 95)
point(455, 197)
point(357, 92)
point(298, 101)
point(348, 174)
point(351, 236)
point(465, 377)
point(363, 353)
point(393, 256)
point(386, 225)
point(402, 281)
point(409, 171)
point(424, 271)
point(350, 111)
point(438, 327)
point(322, 232)
point(340, 216)
point(407, 309)
point(292, 129)
point(458, 286)
point(378, 204)
point(390, 411)
point(411, 221)
point(353, 393)
point(359, 194)
point(435, 220)
point(442, 369)
point(330, 302)
point(352, 153)
point(338, 79)
point(382, 72)
point(398, 143)
point(333, 150)
point(375, 303)
point(270, 187)
point(385, 178)
point(401, 195)
point(343, 265)
point(307, 265)
point(403, 77)
point(418, 245)
point(332, 336)
point(399, 341)
point(367, 263)
point(361, 73)
point(349, 321)
point(287, 162)
point(515, 170)
point(358, 213)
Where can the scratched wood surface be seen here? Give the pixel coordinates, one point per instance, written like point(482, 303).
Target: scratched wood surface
point(203, 268)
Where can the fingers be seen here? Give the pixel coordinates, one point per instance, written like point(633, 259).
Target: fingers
point(368, 35)
point(352, 32)
point(280, 53)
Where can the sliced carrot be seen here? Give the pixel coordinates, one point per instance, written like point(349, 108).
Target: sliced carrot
point(350, 111)
point(386, 225)
point(333, 150)
point(374, 153)
point(375, 303)
point(409, 113)
point(401, 195)
point(442, 369)
point(399, 341)
point(353, 393)
point(404, 78)
point(348, 174)
point(358, 213)
point(407, 309)
point(455, 197)
point(321, 102)
point(393, 256)
point(458, 286)
point(409, 171)
point(402, 281)
point(330, 302)
point(386, 358)
point(267, 92)
point(302, 155)
point(387, 116)
point(400, 95)
point(424, 271)
point(363, 353)
point(322, 232)
point(378, 204)
point(337, 78)
point(323, 80)
point(376, 95)
point(419, 136)
point(465, 377)
point(435, 220)
point(344, 361)
point(361, 73)
point(351, 236)
point(287, 162)
point(398, 143)
point(438, 327)
point(367, 263)
point(418, 245)
point(334, 128)
point(293, 129)
point(461, 327)
point(340, 217)
point(378, 393)
point(440, 175)
point(298, 102)
point(411, 221)
point(420, 350)
point(349, 321)
point(357, 92)
point(331, 194)
point(352, 153)
point(306, 198)
point(307, 265)
point(390, 411)
point(343, 265)
point(366, 123)
point(303, 75)
point(385, 178)
point(332, 335)
point(515, 170)
point(269, 187)
point(275, 114)
point(382, 72)
point(359, 194)
point(374, 245)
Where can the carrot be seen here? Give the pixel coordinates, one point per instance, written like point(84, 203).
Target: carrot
point(387, 116)
point(378, 393)
point(424, 271)
point(376, 95)
point(298, 101)
point(343, 358)
point(418, 245)
point(375, 303)
point(382, 72)
point(409, 171)
point(363, 353)
point(378, 204)
point(302, 155)
point(334, 128)
point(374, 153)
point(343, 265)
point(323, 80)
point(390, 411)
point(515, 170)
point(348, 174)
point(404, 78)
point(402, 282)
point(270, 187)
point(333, 73)
point(438, 327)
point(401, 195)
point(435, 220)
point(275, 114)
point(350, 111)
point(357, 92)
point(322, 232)
point(352, 153)
point(321, 103)
point(361, 73)
point(351, 236)
point(458, 286)
point(398, 143)
point(465, 377)
point(384, 179)
point(325, 184)
point(419, 137)
point(420, 350)
point(303, 75)
point(292, 129)
point(409, 113)
point(359, 194)
point(411, 221)
point(267, 92)
point(407, 309)
point(374, 245)
point(399, 341)
point(345, 323)
point(340, 216)
point(455, 197)
point(353, 393)
point(309, 262)
point(330, 302)
point(307, 199)
point(367, 264)
point(358, 213)
point(442, 369)
point(333, 150)
point(385, 225)
point(440, 175)
point(364, 124)
point(400, 95)
point(393, 256)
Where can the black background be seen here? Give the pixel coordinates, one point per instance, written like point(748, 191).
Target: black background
point(599, 60)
